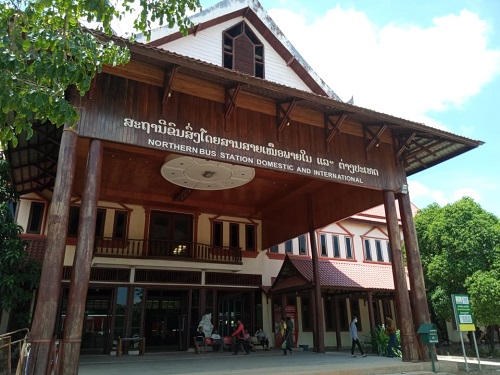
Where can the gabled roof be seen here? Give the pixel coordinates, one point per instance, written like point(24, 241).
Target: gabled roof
point(377, 214)
point(334, 275)
point(255, 14)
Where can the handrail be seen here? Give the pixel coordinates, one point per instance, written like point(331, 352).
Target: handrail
point(153, 249)
point(7, 337)
point(171, 249)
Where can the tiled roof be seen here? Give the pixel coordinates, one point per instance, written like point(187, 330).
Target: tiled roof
point(377, 213)
point(347, 275)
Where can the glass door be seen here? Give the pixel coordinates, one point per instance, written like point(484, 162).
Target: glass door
point(170, 234)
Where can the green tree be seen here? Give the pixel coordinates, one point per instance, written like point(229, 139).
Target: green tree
point(19, 275)
point(483, 288)
point(455, 241)
point(44, 50)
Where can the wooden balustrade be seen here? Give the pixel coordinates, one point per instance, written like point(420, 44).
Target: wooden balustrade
point(156, 249)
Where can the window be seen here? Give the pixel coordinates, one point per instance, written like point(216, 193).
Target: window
point(99, 222)
point(36, 218)
point(234, 235)
point(378, 247)
point(273, 249)
point(389, 255)
point(243, 51)
point(120, 225)
point(344, 320)
point(306, 315)
point(322, 241)
point(336, 246)
point(348, 248)
point(329, 314)
point(302, 245)
point(74, 218)
point(217, 230)
point(368, 251)
point(250, 234)
point(289, 247)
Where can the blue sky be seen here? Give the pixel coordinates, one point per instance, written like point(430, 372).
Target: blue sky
point(430, 61)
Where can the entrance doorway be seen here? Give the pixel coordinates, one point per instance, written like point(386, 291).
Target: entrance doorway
point(165, 319)
point(97, 320)
point(232, 308)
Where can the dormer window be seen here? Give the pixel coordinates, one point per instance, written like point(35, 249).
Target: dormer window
point(243, 51)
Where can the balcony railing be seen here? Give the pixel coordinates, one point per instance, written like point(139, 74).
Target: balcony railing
point(151, 249)
point(172, 250)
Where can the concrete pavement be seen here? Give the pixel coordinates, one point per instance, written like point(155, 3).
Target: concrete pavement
point(259, 362)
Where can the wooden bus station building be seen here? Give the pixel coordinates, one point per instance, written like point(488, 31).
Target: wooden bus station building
point(189, 170)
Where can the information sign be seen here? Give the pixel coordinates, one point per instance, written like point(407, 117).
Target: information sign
point(463, 312)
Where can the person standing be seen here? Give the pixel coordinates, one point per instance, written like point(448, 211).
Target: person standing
point(239, 333)
point(287, 335)
point(353, 329)
point(289, 328)
point(390, 330)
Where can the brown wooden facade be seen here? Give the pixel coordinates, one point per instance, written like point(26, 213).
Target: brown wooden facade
point(316, 160)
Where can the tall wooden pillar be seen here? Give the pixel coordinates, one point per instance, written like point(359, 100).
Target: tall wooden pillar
point(42, 328)
point(371, 314)
point(338, 336)
point(320, 334)
point(312, 307)
point(82, 263)
point(417, 284)
point(408, 341)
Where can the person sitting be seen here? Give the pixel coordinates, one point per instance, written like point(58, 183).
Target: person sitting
point(199, 340)
point(218, 342)
point(248, 340)
point(262, 337)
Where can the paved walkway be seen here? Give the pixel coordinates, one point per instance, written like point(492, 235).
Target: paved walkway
point(259, 362)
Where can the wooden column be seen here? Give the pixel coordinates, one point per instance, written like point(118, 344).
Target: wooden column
point(316, 279)
point(188, 334)
point(42, 328)
point(408, 341)
point(417, 284)
point(82, 262)
point(203, 302)
point(338, 336)
point(371, 314)
point(312, 306)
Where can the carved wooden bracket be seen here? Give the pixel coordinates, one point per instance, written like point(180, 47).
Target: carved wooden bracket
point(283, 114)
point(231, 94)
point(334, 125)
point(231, 98)
point(375, 140)
point(167, 87)
point(405, 144)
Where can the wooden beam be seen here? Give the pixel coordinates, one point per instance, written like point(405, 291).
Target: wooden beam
point(335, 126)
point(167, 87)
point(231, 98)
point(285, 120)
point(376, 138)
point(406, 144)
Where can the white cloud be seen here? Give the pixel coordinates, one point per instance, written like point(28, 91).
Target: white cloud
point(403, 70)
point(467, 192)
point(422, 195)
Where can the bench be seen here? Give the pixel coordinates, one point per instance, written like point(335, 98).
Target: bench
point(135, 340)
